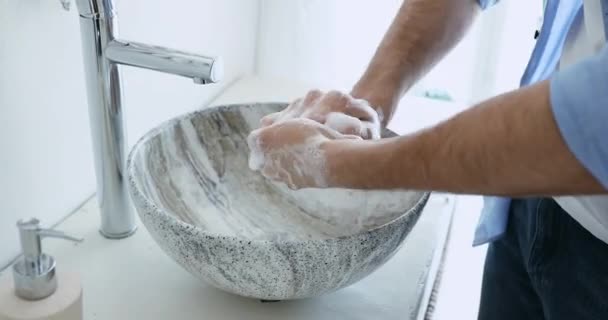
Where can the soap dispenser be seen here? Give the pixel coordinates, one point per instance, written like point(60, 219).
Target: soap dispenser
point(37, 290)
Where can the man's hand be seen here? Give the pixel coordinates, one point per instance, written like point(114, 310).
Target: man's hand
point(292, 152)
point(337, 110)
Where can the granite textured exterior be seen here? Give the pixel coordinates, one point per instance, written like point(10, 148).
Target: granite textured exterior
point(227, 225)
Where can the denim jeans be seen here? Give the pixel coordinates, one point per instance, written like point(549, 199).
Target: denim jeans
point(547, 266)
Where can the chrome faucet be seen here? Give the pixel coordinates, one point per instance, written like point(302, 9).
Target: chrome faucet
point(102, 53)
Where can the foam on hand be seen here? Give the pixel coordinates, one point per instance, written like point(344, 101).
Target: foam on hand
point(256, 156)
point(343, 123)
point(341, 212)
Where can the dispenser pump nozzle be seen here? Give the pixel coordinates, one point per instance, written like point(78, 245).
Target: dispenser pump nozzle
point(34, 273)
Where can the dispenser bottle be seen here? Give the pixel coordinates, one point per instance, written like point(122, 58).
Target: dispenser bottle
point(36, 290)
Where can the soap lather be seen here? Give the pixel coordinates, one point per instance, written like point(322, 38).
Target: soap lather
point(34, 273)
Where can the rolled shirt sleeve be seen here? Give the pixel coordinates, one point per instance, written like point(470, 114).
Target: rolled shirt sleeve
point(579, 100)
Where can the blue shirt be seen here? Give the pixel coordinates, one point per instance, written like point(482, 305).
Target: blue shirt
point(579, 101)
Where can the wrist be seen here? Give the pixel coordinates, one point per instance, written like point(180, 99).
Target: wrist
point(382, 98)
point(339, 157)
point(356, 164)
point(390, 163)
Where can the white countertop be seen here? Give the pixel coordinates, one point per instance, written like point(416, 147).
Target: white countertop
point(133, 279)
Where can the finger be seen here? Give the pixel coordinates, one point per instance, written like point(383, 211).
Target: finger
point(292, 182)
point(310, 108)
point(344, 123)
point(293, 104)
point(291, 111)
point(323, 129)
point(270, 174)
point(317, 116)
point(367, 133)
point(270, 169)
point(263, 139)
point(335, 94)
point(346, 133)
point(349, 131)
point(287, 179)
point(372, 131)
point(312, 97)
point(361, 110)
point(351, 137)
point(335, 100)
point(270, 119)
point(275, 172)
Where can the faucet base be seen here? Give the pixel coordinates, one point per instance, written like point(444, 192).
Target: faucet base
point(116, 236)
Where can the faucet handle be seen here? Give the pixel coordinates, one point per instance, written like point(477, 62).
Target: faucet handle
point(65, 4)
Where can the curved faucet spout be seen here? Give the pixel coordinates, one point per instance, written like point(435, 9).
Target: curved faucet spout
point(195, 66)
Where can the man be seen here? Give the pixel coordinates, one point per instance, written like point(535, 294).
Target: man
point(548, 257)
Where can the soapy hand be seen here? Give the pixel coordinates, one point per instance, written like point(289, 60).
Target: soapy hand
point(337, 110)
point(293, 152)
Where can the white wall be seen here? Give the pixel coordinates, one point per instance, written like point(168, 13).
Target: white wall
point(46, 167)
point(318, 41)
point(330, 42)
point(512, 32)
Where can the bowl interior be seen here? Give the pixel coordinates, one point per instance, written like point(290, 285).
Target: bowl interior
point(195, 168)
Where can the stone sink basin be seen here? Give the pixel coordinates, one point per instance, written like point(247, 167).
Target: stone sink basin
point(230, 227)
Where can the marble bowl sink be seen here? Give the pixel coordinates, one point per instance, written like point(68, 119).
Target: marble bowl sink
point(227, 225)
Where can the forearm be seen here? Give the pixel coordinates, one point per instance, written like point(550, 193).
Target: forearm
point(421, 34)
point(508, 145)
